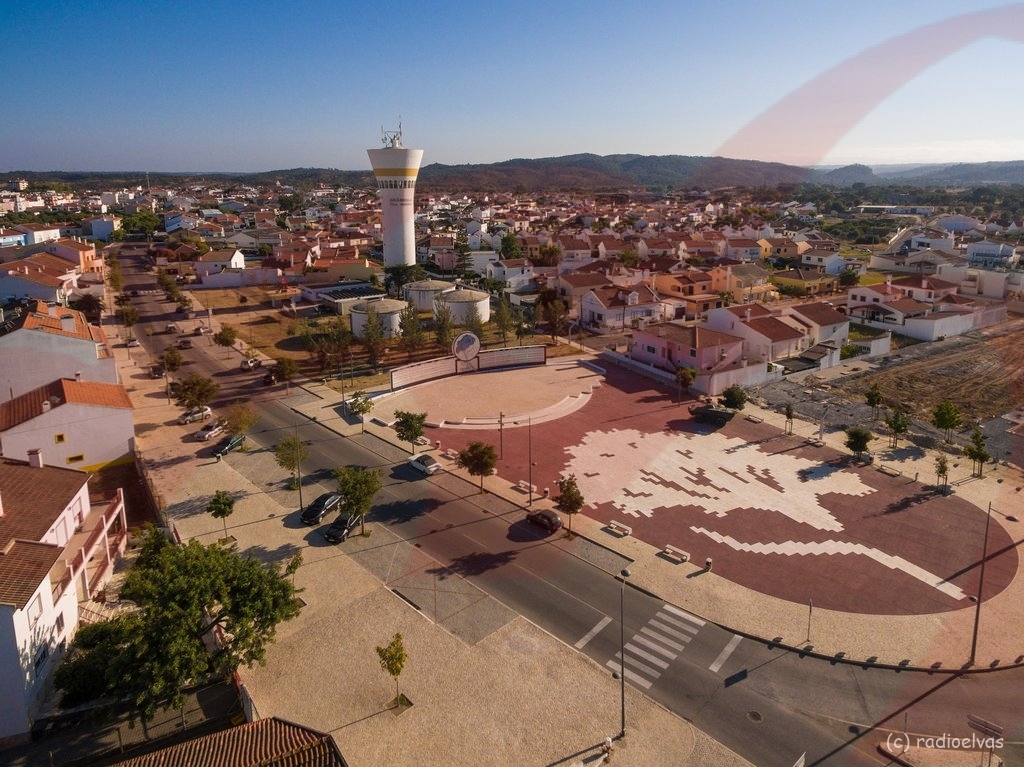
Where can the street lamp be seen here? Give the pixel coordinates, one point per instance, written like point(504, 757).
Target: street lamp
point(529, 450)
point(981, 583)
point(298, 467)
point(622, 653)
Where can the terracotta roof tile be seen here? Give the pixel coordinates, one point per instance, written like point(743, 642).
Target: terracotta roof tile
point(23, 566)
point(33, 498)
point(65, 390)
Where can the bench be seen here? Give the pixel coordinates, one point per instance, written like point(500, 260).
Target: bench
point(525, 486)
point(892, 472)
point(620, 528)
point(422, 441)
point(451, 455)
point(755, 419)
point(676, 552)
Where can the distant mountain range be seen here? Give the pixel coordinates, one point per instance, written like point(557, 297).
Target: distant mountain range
point(586, 172)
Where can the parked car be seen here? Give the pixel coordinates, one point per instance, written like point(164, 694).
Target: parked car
point(134, 293)
point(195, 414)
point(228, 444)
point(157, 371)
point(424, 463)
point(269, 379)
point(545, 518)
point(341, 528)
point(172, 328)
point(320, 508)
point(185, 343)
point(251, 363)
point(132, 342)
point(211, 430)
point(710, 413)
point(202, 330)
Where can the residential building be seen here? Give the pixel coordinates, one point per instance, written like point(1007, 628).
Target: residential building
point(614, 309)
point(807, 282)
point(516, 272)
point(40, 276)
point(767, 338)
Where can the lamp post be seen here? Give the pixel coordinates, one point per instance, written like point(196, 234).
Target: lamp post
point(298, 469)
point(981, 583)
point(501, 435)
point(622, 654)
point(529, 450)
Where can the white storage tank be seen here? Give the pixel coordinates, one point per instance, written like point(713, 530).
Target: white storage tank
point(459, 301)
point(423, 293)
point(388, 312)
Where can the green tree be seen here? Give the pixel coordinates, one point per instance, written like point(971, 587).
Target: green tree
point(684, 379)
point(947, 417)
point(510, 248)
point(240, 417)
point(226, 337)
point(941, 472)
point(392, 659)
point(171, 359)
point(412, 330)
point(443, 324)
point(463, 253)
point(977, 453)
point(409, 427)
point(788, 412)
point(194, 391)
point(373, 340)
point(290, 452)
point(569, 498)
point(899, 424)
point(503, 319)
point(849, 278)
point(472, 321)
point(184, 594)
point(221, 506)
point(90, 305)
point(522, 325)
point(555, 315)
point(361, 404)
point(628, 257)
point(357, 486)
point(129, 316)
point(479, 459)
point(734, 397)
point(873, 397)
point(285, 368)
point(857, 439)
point(396, 277)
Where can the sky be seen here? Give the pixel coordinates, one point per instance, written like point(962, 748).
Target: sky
point(226, 86)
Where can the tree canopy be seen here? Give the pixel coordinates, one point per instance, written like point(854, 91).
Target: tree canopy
point(185, 595)
point(194, 390)
point(569, 499)
point(479, 459)
point(409, 426)
point(357, 486)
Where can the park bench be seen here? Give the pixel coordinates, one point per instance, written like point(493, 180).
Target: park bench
point(620, 528)
point(674, 551)
point(525, 486)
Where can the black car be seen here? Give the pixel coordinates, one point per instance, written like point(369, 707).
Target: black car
point(341, 528)
point(156, 371)
point(320, 508)
point(228, 444)
point(545, 518)
point(269, 379)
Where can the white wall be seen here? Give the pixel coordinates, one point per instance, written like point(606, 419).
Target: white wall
point(99, 434)
point(45, 357)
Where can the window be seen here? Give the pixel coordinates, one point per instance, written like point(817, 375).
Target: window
point(75, 458)
point(41, 655)
point(693, 352)
point(650, 349)
point(59, 624)
point(58, 438)
point(35, 609)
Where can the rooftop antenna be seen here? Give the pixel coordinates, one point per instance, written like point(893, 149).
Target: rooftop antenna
point(392, 138)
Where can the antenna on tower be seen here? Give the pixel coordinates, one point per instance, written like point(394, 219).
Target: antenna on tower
point(392, 138)
point(149, 187)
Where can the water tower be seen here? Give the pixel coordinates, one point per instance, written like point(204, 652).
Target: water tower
point(396, 168)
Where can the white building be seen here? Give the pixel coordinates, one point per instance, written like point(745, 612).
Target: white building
point(461, 301)
point(396, 169)
point(387, 311)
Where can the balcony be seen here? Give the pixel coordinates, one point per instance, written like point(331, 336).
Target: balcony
point(92, 552)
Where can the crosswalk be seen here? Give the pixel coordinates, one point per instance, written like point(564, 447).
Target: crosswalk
point(660, 641)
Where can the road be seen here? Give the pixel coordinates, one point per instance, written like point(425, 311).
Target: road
point(768, 705)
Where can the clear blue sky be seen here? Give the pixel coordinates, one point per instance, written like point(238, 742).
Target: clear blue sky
point(257, 85)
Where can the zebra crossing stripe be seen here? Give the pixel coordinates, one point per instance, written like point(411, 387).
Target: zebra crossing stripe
point(651, 672)
point(646, 655)
point(688, 627)
point(656, 647)
point(684, 615)
point(664, 639)
point(636, 679)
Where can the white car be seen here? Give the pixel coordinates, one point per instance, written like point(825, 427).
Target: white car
point(211, 430)
point(424, 463)
point(195, 414)
point(132, 342)
point(251, 363)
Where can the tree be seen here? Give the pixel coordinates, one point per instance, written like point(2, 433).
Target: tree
point(128, 315)
point(479, 459)
point(171, 359)
point(392, 659)
point(412, 331)
point(290, 452)
point(857, 439)
point(946, 416)
point(555, 315)
point(941, 472)
point(849, 278)
point(357, 486)
point(240, 417)
point(569, 498)
point(184, 594)
point(286, 369)
point(977, 453)
point(90, 305)
point(373, 339)
point(898, 423)
point(396, 277)
point(504, 320)
point(409, 427)
point(510, 248)
point(293, 566)
point(734, 397)
point(361, 404)
point(226, 337)
point(522, 326)
point(221, 506)
point(443, 324)
point(873, 397)
point(684, 378)
point(789, 417)
point(194, 391)
point(472, 321)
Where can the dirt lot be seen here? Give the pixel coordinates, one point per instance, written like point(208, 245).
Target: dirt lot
point(983, 375)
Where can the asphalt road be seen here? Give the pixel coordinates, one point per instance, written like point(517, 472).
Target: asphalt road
point(769, 706)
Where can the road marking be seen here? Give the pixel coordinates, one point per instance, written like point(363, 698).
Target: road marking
point(593, 632)
point(663, 639)
point(724, 655)
point(688, 627)
point(656, 647)
point(683, 614)
point(634, 678)
point(666, 629)
point(646, 655)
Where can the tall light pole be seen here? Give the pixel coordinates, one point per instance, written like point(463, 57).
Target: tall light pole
point(981, 584)
point(298, 466)
point(529, 448)
point(622, 653)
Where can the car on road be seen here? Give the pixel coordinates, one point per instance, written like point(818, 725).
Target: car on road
point(425, 463)
point(172, 328)
point(157, 371)
point(270, 378)
point(229, 443)
point(132, 342)
point(202, 330)
point(211, 430)
point(251, 363)
point(320, 508)
point(134, 293)
point(185, 343)
point(545, 518)
point(195, 414)
point(341, 528)
point(706, 412)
